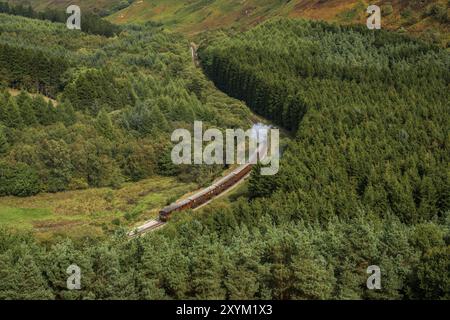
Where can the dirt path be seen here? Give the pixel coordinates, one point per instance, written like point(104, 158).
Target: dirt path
point(194, 54)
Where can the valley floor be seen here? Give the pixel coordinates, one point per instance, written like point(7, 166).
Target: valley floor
point(90, 212)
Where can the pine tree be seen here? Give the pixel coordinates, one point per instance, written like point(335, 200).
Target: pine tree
point(3, 110)
point(104, 124)
point(21, 276)
point(40, 110)
point(66, 113)
point(27, 113)
point(206, 270)
point(158, 119)
point(431, 275)
point(3, 141)
point(13, 118)
point(312, 280)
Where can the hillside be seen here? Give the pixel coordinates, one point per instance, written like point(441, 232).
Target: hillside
point(371, 106)
point(426, 18)
point(363, 177)
point(364, 182)
point(370, 112)
point(114, 103)
point(195, 16)
point(102, 7)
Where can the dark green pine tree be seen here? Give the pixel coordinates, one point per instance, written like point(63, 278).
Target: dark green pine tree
point(261, 186)
point(13, 118)
point(40, 110)
point(51, 112)
point(66, 114)
point(27, 112)
point(104, 124)
point(158, 119)
point(312, 279)
point(21, 276)
point(166, 167)
point(3, 141)
point(431, 278)
point(207, 270)
point(3, 110)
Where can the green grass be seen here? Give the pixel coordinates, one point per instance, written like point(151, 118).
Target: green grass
point(22, 217)
point(90, 212)
point(165, 191)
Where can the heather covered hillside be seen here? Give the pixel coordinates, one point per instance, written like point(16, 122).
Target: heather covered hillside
point(100, 7)
point(427, 18)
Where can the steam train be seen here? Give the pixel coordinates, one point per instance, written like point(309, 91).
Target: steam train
point(207, 194)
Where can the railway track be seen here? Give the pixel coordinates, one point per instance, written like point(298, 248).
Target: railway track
point(202, 197)
point(151, 225)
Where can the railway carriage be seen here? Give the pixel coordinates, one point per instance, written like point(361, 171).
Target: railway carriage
point(207, 194)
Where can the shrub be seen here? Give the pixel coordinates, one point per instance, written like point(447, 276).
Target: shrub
point(438, 12)
point(18, 180)
point(386, 10)
point(406, 13)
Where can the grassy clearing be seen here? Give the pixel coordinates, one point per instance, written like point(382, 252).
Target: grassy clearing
point(91, 212)
point(22, 217)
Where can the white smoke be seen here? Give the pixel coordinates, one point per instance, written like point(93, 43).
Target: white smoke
point(260, 132)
